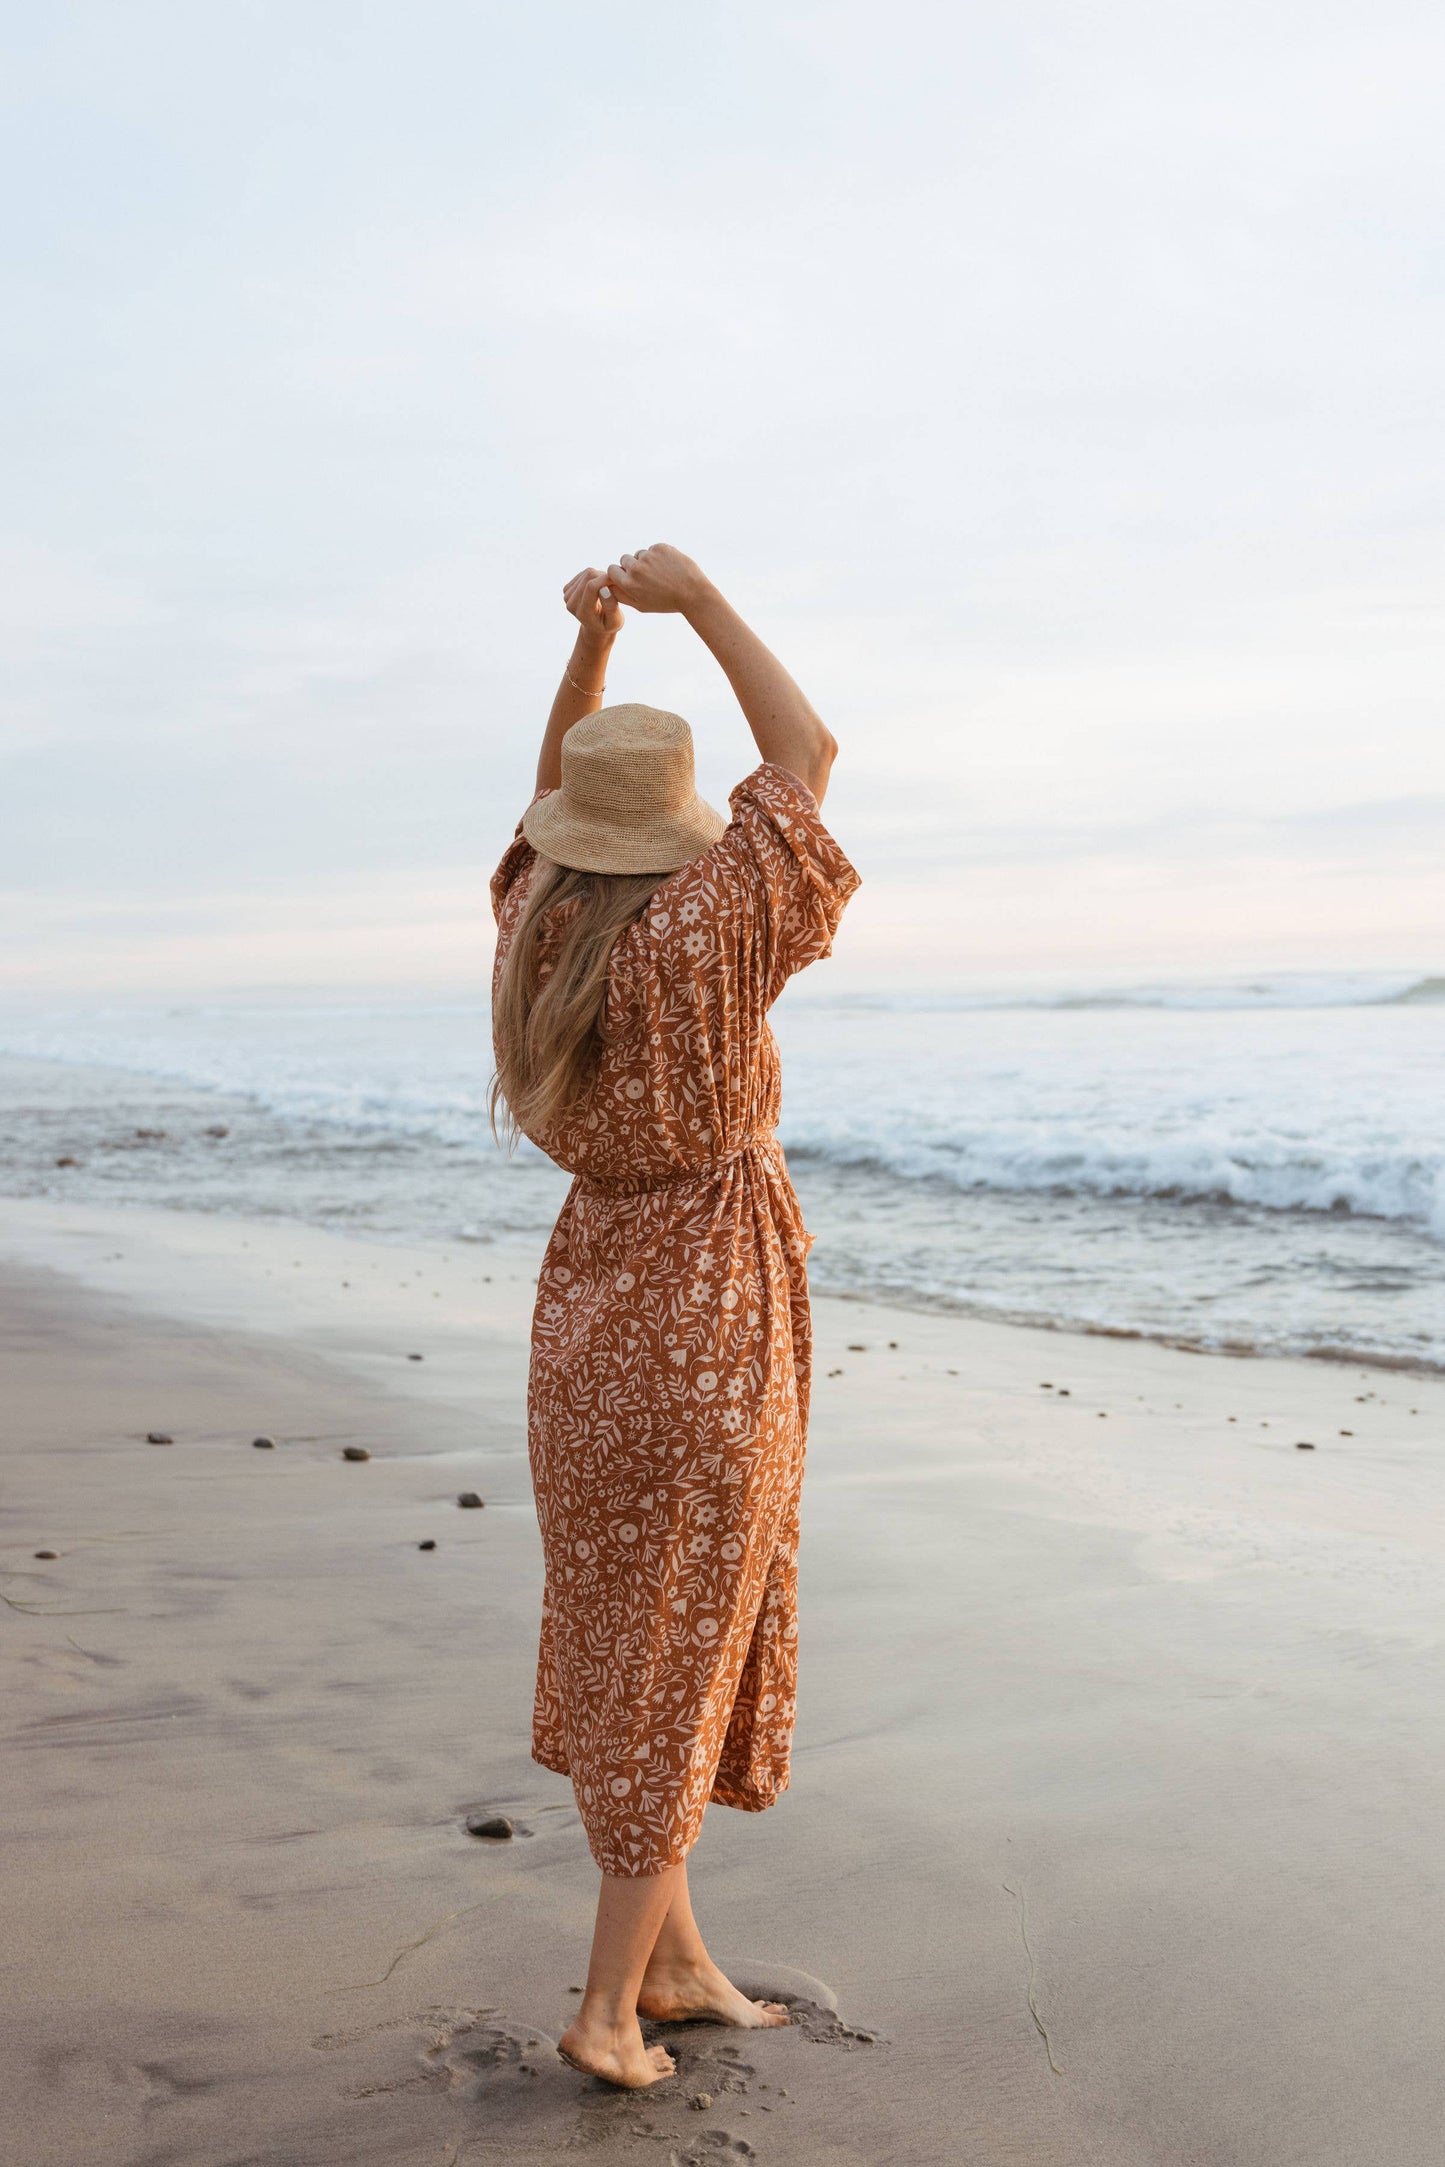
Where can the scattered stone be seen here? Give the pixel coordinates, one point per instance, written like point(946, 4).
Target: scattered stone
point(47, 1554)
point(857, 1346)
point(1065, 1393)
point(414, 1358)
point(1103, 1414)
point(495, 1825)
point(1347, 1433)
point(150, 1136)
point(429, 1544)
point(264, 1444)
point(67, 1161)
point(218, 1128)
point(355, 1452)
point(1302, 1444)
point(702, 2101)
point(576, 1990)
point(835, 1373)
point(1046, 1388)
point(158, 1437)
point(894, 1345)
point(470, 1500)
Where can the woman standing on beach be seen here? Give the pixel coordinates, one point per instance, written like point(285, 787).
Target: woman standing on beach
point(641, 941)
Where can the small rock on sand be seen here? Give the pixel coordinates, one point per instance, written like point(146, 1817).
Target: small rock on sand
point(429, 1544)
point(47, 1554)
point(1302, 1444)
point(470, 1500)
point(857, 1346)
point(495, 1825)
point(218, 1128)
point(264, 1444)
point(355, 1452)
point(67, 1161)
point(702, 2101)
point(414, 1358)
point(158, 1437)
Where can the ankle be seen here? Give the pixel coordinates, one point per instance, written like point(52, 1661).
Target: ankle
point(601, 2012)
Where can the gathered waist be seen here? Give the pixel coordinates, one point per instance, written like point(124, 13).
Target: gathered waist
point(677, 1177)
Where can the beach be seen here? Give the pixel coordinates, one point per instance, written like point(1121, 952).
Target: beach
point(1113, 1828)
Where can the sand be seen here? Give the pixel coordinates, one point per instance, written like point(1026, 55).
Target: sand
point(1115, 1823)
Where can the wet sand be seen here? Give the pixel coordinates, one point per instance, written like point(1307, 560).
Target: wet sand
point(1114, 1828)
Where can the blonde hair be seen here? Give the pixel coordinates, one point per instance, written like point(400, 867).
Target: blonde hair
point(549, 1010)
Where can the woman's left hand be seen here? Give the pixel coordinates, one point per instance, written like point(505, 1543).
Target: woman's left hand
point(594, 605)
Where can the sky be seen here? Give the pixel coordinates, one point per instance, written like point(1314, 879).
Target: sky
point(1056, 388)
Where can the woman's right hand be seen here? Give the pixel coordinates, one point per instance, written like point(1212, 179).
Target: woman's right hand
point(659, 578)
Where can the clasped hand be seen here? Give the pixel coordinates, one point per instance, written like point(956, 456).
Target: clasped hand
point(654, 580)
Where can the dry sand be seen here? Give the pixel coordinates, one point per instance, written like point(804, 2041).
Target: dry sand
point(1117, 1799)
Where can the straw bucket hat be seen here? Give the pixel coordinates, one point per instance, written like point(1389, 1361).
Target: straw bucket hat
point(628, 802)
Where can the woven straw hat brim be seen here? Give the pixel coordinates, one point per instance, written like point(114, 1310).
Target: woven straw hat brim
point(657, 843)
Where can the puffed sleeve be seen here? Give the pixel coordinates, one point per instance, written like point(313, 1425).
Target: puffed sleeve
point(787, 865)
point(515, 862)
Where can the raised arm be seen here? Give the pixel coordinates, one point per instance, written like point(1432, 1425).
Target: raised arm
point(599, 620)
point(781, 719)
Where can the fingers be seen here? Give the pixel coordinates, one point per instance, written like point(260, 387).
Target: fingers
point(576, 588)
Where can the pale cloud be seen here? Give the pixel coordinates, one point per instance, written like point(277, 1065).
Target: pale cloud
point(1058, 388)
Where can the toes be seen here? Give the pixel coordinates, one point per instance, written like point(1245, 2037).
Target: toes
point(661, 2061)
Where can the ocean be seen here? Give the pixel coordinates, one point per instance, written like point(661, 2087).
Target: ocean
point(1252, 1166)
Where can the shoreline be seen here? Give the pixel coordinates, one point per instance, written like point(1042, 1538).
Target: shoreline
point(1114, 1805)
point(1195, 1274)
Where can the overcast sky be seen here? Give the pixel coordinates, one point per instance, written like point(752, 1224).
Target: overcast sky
point(1057, 387)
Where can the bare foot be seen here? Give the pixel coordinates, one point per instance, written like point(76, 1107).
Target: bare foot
point(613, 2052)
point(700, 1994)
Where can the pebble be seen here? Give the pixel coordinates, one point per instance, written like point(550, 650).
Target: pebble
point(414, 1358)
point(158, 1437)
point(67, 1161)
point(1302, 1444)
point(47, 1553)
point(1347, 1433)
point(1064, 1392)
point(429, 1544)
point(264, 1444)
point(857, 1346)
point(355, 1452)
point(489, 1824)
point(218, 1128)
point(470, 1499)
point(893, 1345)
point(702, 2101)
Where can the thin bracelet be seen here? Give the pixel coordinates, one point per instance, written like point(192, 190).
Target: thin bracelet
point(583, 689)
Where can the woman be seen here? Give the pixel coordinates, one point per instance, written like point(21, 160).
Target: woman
point(641, 941)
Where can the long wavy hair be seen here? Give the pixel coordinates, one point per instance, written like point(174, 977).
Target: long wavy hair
point(549, 1006)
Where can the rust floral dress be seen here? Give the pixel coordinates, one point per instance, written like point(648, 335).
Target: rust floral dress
point(671, 1349)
